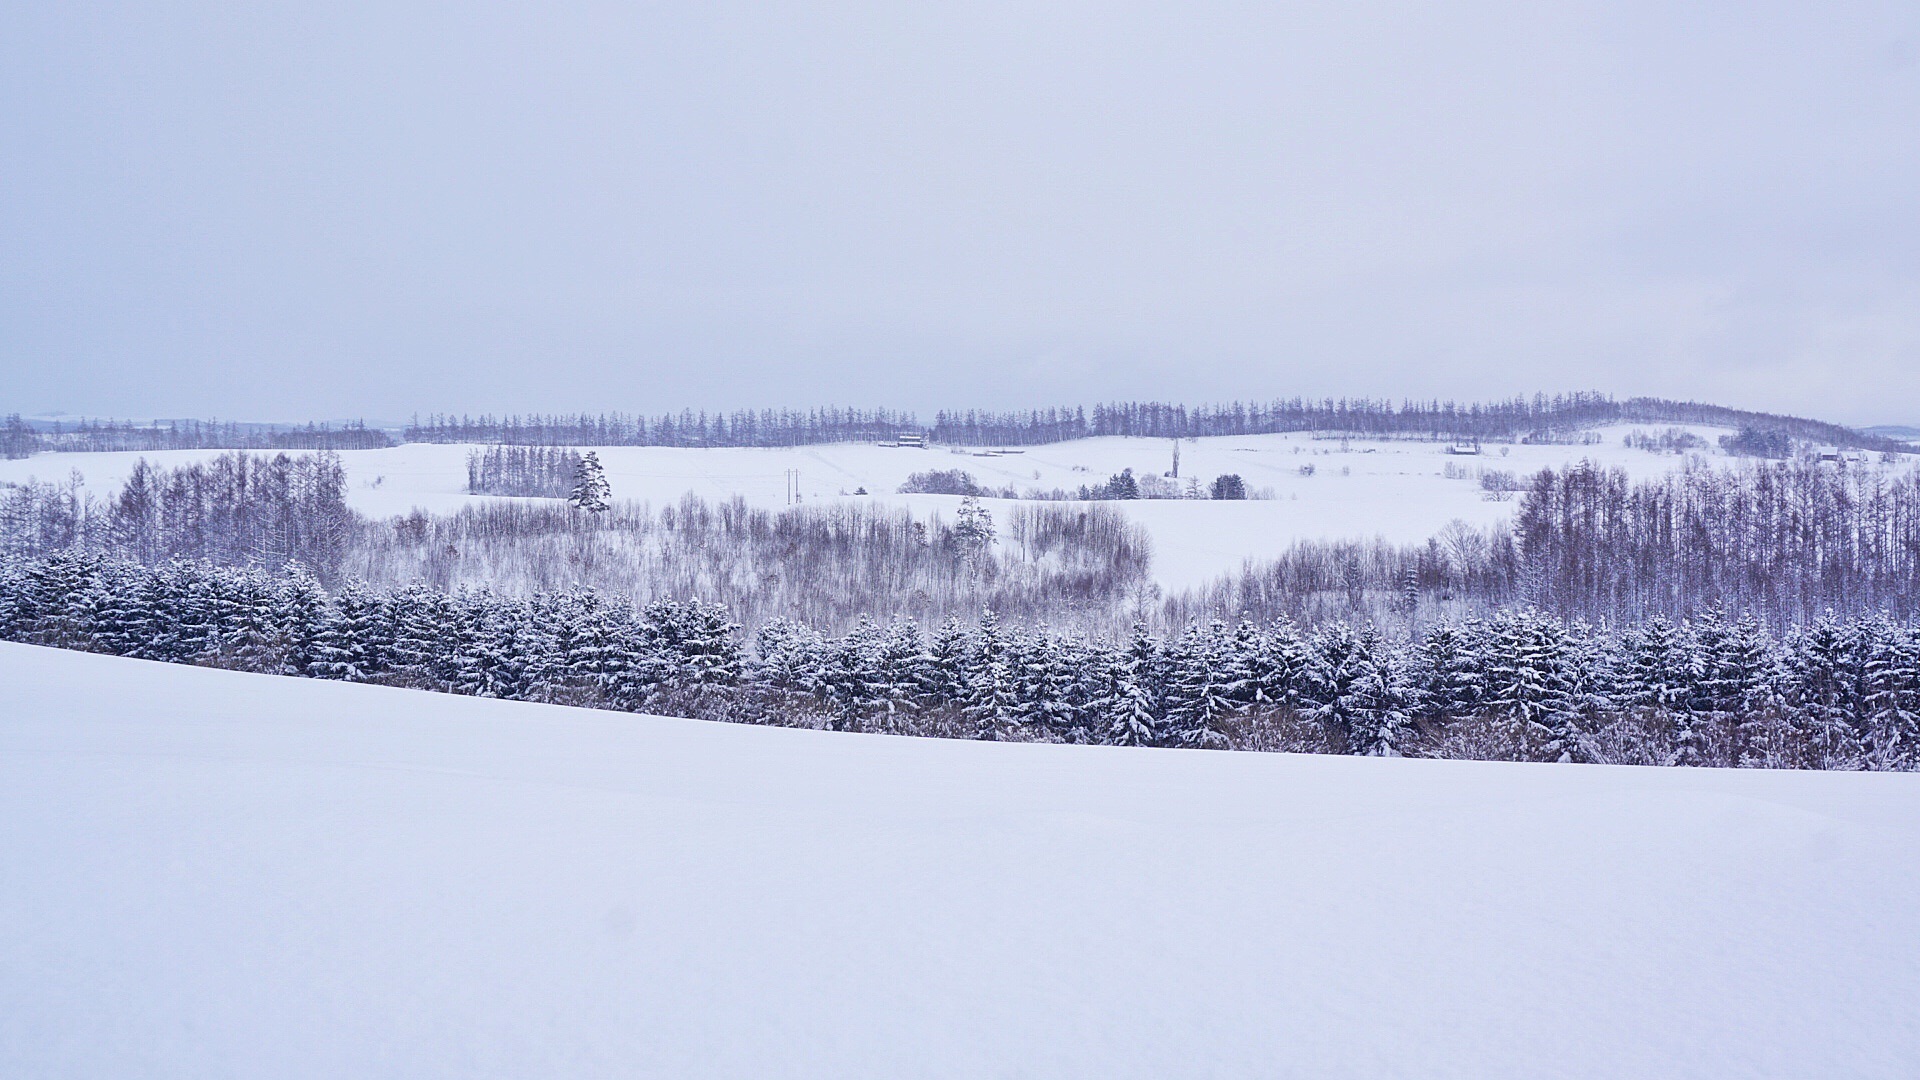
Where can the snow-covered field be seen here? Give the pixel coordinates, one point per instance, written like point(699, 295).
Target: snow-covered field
point(1398, 490)
point(205, 873)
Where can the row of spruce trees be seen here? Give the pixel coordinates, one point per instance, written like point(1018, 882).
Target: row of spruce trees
point(1712, 690)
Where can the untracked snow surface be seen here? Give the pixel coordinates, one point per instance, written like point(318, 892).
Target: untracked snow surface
point(208, 874)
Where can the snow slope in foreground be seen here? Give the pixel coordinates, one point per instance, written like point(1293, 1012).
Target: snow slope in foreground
point(213, 874)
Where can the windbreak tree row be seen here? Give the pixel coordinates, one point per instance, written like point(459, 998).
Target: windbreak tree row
point(19, 439)
point(1556, 418)
point(1712, 690)
point(544, 472)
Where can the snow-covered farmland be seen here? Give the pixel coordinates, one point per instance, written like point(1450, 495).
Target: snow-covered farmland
point(1321, 488)
point(209, 873)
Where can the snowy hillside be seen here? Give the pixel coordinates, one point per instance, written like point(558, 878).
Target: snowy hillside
point(1321, 488)
point(210, 873)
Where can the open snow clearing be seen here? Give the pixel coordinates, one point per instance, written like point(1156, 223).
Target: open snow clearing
point(210, 873)
point(1313, 488)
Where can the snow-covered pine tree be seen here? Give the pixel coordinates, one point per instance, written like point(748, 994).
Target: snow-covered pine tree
point(1893, 696)
point(1449, 674)
point(1277, 670)
point(786, 667)
point(249, 640)
point(1203, 677)
point(1026, 660)
point(1752, 664)
point(1085, 666)
point(512, 637)
point(1693, 714)
point(165, 597)
point(119, 615)
point(1335, 667)
point(1825, 679)
point(708, 645)
point(591, 492)
point(13, 576)
point(341, 642)
point(973, 534)
point(597, 652)
point(419, 615)
point(1380, 723)
point(1528, 682)
point(693, 651)
point(1593, 689)
point(944, 681)
point(468, 640)
point(196, 610)
point(904, 667)
point(854, 680)
point(54, 597)
point(1132, 715)
point(549, 670)
point(992, 687)
point(1659, 679)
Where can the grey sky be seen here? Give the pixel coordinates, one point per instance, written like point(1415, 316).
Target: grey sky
point(371, 208)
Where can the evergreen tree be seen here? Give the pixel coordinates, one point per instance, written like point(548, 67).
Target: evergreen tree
point(1131, 714)
point(469, 639)
point(419, 617)
point(1277, 668)
point(945, 680)
point(973, 533)
point(1449, 675)
point(346, 641)
point(1893, 696)
point(1203, 679)
point(1336, 668)
point(904, 667)
point(120, 616)
point(1825, 681)
point(789, 659)
point(1528, 683)
point(1593, 691)
point(992, 690)
point(1380, 718)
point(854, 680)
point(591, 492)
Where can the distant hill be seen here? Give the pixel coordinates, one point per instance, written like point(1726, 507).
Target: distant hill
point(1903, 432)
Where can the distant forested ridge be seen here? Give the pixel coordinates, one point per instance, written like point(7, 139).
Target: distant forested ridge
point(1537, 419)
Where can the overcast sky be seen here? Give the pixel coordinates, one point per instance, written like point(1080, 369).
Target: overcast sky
point(279, 211)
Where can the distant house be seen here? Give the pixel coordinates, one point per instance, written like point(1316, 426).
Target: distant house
point(918, 442)
point(1464, 449)
point(1837, 456)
